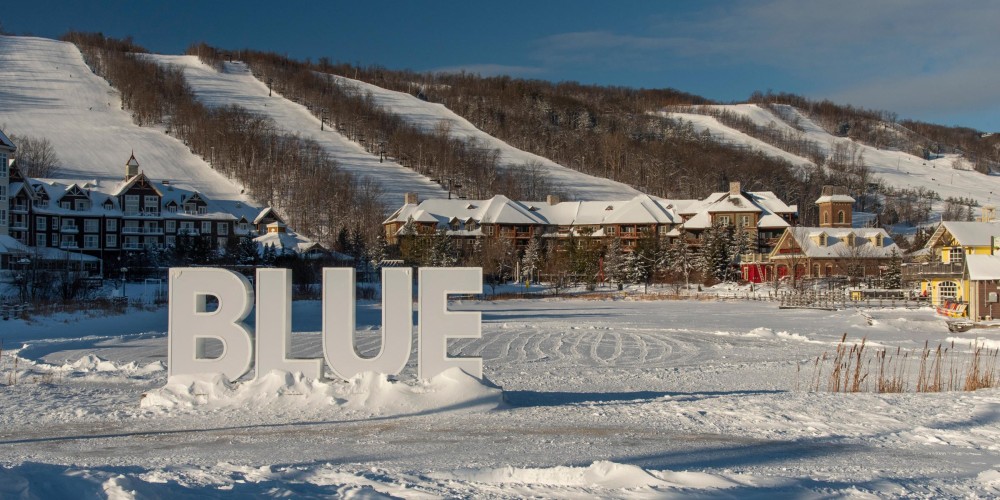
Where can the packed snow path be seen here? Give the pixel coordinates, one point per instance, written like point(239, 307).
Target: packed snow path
point(237, 86)
point(606, 398)
point(430, 117)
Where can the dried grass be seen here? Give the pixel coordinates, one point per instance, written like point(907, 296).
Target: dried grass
point(939, 369)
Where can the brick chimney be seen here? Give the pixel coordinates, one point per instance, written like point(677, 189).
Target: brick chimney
point(734, 188)
point(553, 199)
point(411, 199)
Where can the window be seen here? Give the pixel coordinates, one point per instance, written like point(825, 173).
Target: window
point(826, 218)
point(151, 204)
point(3, 193)
point(816, 270)
point(947, 292)
point(840, 217)
point(171, 226)
point(91, 241)
point(488, 230)
point(610, 230)
point(111, 240)
point(202, 210)
point(3, 164)
point(243, 226)
point(40, 240)
point(55, 223)
point(172, 209)
point(171, 241)
point(111, 225)
point(151, 242)
point(91, 225)
point(221, 242)
point(956, 255)
point(81, 205)
point(65, 205)
point(722, 220)
point(131, 204)
point(744, 221)
point(68, 241)
point(206, 227)
point(222, 228)
point(40, 223)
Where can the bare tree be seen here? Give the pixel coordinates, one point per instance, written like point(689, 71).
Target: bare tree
point(35, 156)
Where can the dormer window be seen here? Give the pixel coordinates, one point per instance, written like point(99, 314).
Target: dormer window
point(850, 239)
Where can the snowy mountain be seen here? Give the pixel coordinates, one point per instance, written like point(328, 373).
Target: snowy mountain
point(948, 174)
point(46, 90)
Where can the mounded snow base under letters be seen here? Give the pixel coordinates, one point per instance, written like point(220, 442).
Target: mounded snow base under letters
point(371, 392)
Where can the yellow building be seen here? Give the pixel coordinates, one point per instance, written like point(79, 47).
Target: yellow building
point(943, 279)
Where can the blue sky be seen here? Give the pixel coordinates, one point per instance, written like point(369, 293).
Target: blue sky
point(930, 60)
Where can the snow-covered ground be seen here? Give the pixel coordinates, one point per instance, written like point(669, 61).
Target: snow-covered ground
point(430, 117)
point(47, 91)
point(610, 398)
point(237, 86)
point(897, 168)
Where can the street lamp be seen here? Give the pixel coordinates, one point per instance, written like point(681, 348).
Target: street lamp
point(123, 270)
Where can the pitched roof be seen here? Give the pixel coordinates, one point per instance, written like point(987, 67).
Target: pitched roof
point(983, 267)
point(5, 142)
point(971, 234)
point(837, 242)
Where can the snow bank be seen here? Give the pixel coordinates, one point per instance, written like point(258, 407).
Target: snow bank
point(600, 474)
point(371, 392)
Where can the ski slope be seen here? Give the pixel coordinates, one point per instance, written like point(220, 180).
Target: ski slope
point(47, 91)
point(897, 168)
point(237, 86)
point(429, 117)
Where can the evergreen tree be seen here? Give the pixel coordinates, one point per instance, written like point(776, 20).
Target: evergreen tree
point(715, 256)
point(683, 259)
point(532, 259)
point(247, 251)
point(614, 262)
point(442, 250)
point(893, 278)
point(269, 256)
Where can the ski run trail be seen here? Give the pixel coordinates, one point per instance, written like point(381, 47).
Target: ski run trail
point(948, 175)
point(606, 398)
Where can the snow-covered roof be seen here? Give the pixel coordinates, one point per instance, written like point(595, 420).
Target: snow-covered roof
point(837, 242)
point(286, 242)
point(642, 209)
point(835, 198)
point(104, 198)
point(967, 234)
point(983, 267)
point(9, 245)
point(6, 143)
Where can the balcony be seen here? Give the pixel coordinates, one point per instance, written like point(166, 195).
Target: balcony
point(141, 214)
point(69, 229)
point(69, 245)
point(933, 269)
point(19, 226)
point(142, 230)
point(133, 246)
point(19, 209)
